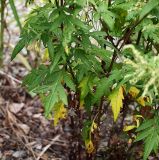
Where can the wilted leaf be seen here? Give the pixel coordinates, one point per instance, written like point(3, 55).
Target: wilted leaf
point(133, 91)
point(45, 55)
point(93, 126)
point(89, 146)
point(60, 112)
point(141, 101)
point(116, 101)
point(128, 128)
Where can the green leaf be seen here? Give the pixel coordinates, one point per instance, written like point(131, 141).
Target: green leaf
point(149, 133)
point(103, 6)
point(50, 100)
point(56, 94)
point(62, 94)
point(57, 22)
point(51, 49)
point(35, 78)
point(20, 45)
point(11, 2)
point(103, 86)
point(79, 23)
point(56, 59)
point(84, 58)
point(143, 135)
point(42, 89)
point(148, 8)
point(109, 20)
point(150, 143)
point(145, 125)
point(68, 80)
point(84, 87)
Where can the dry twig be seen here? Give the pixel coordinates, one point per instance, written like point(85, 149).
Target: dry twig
point(48, 146)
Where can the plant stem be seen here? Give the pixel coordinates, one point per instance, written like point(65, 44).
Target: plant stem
point(109, 2)
point(57, 3)
point(139, 37)
point(2, 29)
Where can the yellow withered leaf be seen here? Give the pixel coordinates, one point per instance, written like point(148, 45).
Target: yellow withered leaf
point(60, 112)
point(89, 146)
point(45, 55)
point(93, 126)
point(137, 121)
point(116, 101)
point(81, 104)
point(128, 128)
point(141, 101)
point(133, 91)
point(67, 49)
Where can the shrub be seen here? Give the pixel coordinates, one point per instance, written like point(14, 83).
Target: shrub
point(97, 54)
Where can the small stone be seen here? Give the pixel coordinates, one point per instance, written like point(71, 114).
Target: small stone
point(19, 154)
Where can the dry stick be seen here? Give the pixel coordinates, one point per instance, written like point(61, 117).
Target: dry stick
point(48, 146)
point(99, 114)
point(12, 123)
point(9, 37)
point(11, 77)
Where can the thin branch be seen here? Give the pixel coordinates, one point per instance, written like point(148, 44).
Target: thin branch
point(125, 39)
point(11, 77)
point(57, 4)
point(48, 146)
point(139, 37)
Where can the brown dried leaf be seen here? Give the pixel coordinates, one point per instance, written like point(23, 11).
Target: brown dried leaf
point(16, 107)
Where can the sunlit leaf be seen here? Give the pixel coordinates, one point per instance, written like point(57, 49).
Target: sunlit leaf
point(128, 128)
point(133, 91)
point(116, 101)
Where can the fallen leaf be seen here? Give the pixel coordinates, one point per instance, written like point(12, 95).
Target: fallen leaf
point(25, 128)
point(16, 107)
